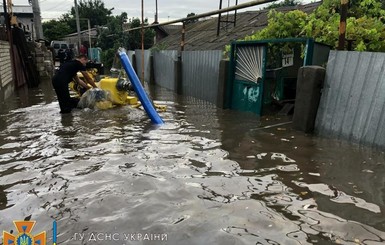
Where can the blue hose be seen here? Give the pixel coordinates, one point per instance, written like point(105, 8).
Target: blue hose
point(146, 103)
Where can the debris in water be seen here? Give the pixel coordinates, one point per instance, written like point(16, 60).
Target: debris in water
point(260, 155)
point(367, 171)
point(306, 206)
point(281, 156)
point(315, 174)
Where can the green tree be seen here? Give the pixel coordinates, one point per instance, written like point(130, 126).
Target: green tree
point(112, 36)
point(94, 10)
point(281, 25)
point(283, 3)
point(112, 32)
point(191, 21)
point(110, 28)
point(364, 25)
point(55, 30)
point(134, 40)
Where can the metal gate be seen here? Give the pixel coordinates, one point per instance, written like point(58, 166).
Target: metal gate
point(247, 68)
point(257, 76)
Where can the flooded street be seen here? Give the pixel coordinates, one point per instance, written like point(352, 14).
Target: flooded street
point(208, 176)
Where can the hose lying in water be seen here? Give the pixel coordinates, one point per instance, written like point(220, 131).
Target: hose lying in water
point(147, 105)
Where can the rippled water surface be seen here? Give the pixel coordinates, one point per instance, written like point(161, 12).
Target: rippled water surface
point(208, 176)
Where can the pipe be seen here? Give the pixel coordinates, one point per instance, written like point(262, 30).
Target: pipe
point(139, 90)
point(240, 6)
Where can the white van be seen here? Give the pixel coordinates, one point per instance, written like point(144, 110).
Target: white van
point(57, 45)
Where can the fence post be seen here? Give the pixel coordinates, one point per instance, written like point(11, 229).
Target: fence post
point(134, 63)
point(152, 70)
point(178, 75)
point(309, 84)
point(222, 80)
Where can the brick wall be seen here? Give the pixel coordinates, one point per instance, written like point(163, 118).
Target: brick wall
point(5, 64)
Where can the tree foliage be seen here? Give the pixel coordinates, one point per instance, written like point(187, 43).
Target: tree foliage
point(55, 30)
point(281, 25)
point(365, 25)
point(112, 33)
point(93, 10)
point(283, 3)
point(112, 36)
point(110, 28)
point(134, 40)
point(191, 21)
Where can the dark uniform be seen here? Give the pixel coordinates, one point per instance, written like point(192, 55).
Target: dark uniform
point(61, 55)
point(60, 83)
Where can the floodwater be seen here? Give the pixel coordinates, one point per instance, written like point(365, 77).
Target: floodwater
point(208, 176)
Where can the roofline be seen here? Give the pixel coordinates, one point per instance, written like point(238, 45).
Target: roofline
point(236, 7)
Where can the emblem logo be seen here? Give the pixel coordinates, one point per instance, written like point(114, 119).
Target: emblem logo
point(24, 236)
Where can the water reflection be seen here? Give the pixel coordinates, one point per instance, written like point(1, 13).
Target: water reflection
point(207, 176)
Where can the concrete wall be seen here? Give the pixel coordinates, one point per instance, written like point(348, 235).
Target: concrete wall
point(352, 104)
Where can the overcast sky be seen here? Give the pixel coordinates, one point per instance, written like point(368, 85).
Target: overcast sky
point(168, 9)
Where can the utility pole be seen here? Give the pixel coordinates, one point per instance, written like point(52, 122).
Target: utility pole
point(182, 42)
point(219, 18)
point(89, 30)
point(37, 19)
point(156, 12)
point(342, 29)
point(77, 23)
point(142, 32)
point(89, 33)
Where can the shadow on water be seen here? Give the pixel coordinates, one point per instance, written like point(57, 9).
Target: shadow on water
point(208, 176)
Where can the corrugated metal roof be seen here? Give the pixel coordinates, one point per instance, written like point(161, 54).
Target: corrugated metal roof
point(93, 33)
point(202, 35)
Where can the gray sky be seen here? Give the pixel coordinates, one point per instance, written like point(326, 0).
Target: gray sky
point(168, 9)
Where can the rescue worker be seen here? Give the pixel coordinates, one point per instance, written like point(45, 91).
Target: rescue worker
point(61, 55)
point(68, 55)
point(66, 73)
